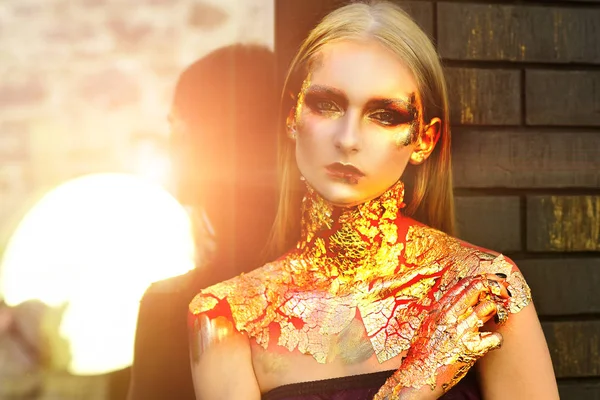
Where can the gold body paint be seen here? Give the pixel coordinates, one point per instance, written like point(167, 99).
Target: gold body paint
point(367, 263)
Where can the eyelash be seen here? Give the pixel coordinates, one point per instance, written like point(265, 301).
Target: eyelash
point(317, 105)
point(394, 117)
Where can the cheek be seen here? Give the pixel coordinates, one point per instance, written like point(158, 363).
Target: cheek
point(390, 157)
point(314, 137)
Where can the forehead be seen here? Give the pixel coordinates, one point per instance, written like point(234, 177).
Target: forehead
point(362, 69)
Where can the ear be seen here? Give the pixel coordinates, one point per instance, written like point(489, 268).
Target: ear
point(290, 124)
point(426, 142)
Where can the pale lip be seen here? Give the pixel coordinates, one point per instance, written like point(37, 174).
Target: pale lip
point(346, 172)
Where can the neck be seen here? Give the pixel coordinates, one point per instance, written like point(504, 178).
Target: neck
point(350, 241)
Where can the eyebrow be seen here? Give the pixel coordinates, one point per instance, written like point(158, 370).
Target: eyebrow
point(407, 104)
point(336, 94)
point(403, 104)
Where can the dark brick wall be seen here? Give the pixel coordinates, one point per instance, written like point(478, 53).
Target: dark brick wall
point(524, 85)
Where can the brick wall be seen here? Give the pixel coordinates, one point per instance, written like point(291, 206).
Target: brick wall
point(524, 84)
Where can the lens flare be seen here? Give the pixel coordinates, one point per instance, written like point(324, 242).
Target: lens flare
point(95, 244)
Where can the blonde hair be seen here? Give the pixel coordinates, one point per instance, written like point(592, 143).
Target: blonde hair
point(429, 195)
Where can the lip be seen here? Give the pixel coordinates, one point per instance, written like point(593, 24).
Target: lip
point(346, 172)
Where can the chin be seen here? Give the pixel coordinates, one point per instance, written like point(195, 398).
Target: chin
point(343, 195)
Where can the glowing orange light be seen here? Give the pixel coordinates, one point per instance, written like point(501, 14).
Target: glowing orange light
point(95, 244)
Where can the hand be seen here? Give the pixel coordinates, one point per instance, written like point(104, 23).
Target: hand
point(448, 341)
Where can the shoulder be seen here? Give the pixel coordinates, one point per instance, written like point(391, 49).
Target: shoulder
point(426, 239)
point(461, 259)
point(220, 314)
point(239, 290)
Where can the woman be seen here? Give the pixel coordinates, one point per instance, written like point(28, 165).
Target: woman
point(376, 298)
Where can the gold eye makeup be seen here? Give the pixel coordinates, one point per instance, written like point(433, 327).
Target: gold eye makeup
point(403, 115)
point(397, 114)
point(325, 100)
point(392, 112)
point(301, 99)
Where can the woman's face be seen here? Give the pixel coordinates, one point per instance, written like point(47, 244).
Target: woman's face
point(357, 116)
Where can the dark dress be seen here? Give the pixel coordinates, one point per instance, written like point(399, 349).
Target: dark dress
point(361, 387)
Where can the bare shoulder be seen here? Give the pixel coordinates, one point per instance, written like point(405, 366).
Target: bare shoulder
point(523, 362)
point(458, 259)
point(216, 300)
point(219, 352)
point(424, 241)
point(492, 262)
point(219, 346)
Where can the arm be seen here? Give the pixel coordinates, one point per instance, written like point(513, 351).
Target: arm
point(522, 368)
point(221, 361)
point(449, 341)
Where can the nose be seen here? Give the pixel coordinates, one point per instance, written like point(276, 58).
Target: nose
point(347, 138)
